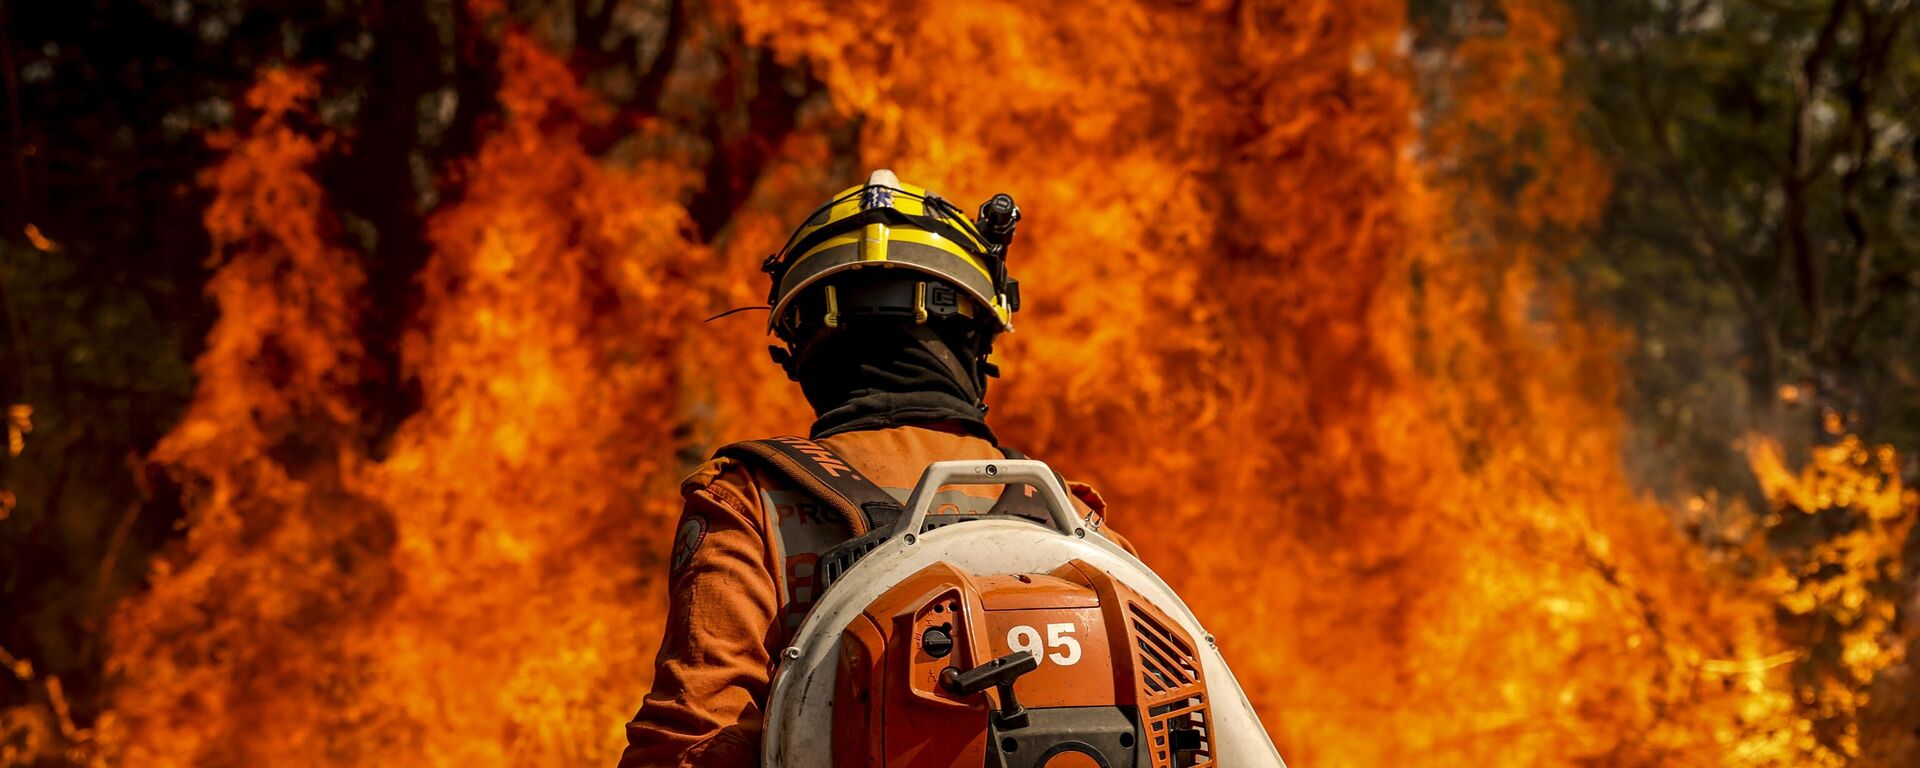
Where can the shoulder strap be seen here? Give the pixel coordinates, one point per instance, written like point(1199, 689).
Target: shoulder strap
point(820, 472)
point(838, 559)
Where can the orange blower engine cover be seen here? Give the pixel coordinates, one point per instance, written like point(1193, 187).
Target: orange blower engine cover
point(1069, 669)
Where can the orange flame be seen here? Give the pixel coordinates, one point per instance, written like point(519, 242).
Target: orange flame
point(277, 542)
point(422, 607)
point(1839, 591)
point(1399, 500)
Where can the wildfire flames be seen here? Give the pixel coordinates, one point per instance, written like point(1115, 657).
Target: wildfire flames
point(1266, 315)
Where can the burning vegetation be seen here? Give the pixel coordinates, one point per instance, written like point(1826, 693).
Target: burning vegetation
point(1259, 260)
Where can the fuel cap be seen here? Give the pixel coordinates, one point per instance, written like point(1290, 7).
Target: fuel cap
point(937, 642)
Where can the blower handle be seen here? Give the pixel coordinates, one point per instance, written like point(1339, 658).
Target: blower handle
point(999, 675)
point(1065, 518)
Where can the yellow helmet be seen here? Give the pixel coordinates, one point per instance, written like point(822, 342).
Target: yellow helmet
point(888, 248)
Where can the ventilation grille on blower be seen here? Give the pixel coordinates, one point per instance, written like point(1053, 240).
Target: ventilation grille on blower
point(1173, 694)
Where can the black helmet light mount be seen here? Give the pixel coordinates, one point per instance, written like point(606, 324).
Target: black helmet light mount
point(999, 217)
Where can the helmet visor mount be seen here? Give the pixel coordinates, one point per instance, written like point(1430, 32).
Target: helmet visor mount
point(854, 295)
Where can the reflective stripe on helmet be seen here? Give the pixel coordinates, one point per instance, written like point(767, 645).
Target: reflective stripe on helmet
point(885, 224)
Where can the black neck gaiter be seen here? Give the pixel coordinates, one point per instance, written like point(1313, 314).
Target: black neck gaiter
point(877, 375)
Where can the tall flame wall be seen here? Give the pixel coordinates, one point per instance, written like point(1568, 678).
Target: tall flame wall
point(1397, 496)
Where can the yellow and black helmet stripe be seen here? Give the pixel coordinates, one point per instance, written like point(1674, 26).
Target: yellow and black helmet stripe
point(887, 224)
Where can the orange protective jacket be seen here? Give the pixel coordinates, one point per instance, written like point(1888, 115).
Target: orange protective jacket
point(742, 579)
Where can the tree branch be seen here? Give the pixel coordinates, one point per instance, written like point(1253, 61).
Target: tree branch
point(1879, 36)
point(21, 208)
point(754, 114)
point(643, 101)
point(654, 82)
point(1795, 238)
point(1706, 239)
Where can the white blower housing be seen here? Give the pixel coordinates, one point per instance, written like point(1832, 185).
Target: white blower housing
point(1001, 642)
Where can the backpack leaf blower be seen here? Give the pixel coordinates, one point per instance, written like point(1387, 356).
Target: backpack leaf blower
point(1005, 642)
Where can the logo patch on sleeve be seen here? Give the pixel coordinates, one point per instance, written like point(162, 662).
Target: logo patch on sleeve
point(693, 531)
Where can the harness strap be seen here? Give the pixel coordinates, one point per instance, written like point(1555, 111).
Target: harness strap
point(821, 473)
point(869, 512)
point(1013, 502)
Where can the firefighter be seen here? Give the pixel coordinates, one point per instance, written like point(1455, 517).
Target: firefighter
point(887, 301)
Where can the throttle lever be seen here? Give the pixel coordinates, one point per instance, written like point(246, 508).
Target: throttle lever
point(999, 674)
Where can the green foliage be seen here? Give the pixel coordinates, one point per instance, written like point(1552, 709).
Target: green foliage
point(1762, 221)
point(102, 374)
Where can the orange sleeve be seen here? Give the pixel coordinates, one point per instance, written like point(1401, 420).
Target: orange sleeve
point(710, 679)
point(1095, 508)
point(1115, 537)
